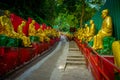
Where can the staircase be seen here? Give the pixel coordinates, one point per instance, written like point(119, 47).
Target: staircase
point(75, 59)
point(75, 65)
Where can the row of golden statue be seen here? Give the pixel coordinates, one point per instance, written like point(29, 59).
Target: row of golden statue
point(7, 29)
point(88, 32)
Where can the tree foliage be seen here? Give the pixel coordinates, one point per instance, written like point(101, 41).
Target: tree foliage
point(65, 21)
point(40, 10)
point(63, 13)
point(78, 9)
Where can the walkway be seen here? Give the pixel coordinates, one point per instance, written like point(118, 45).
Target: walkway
point(65, 63)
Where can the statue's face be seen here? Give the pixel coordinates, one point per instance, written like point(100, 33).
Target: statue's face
point(104, 13)
point(33, 21)
point(85, 25)
point(23, 22)
point(91, 21)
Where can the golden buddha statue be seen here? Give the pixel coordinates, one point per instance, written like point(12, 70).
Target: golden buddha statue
point(25, 39)
point(106, 30)
point(6, 19)
point(31, 30)
point(40, 34)
point(91, 31)
point(7, 30)
point(116, 52)
point(8, 27)
point(40, 30)
point(2, 29)
point(47, 39)
point(85, 31)
point(20, 28)
point(4, 25)
point(80, 31)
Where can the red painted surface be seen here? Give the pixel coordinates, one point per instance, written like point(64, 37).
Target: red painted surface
point(16, 21)
point(12, 57)
point(9, 60)
point(102, 67)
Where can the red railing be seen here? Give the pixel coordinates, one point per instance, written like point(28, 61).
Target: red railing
point(102, 67)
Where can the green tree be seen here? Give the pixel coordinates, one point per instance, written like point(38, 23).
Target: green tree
point(76, 12)
point(65, 21)
point(81, 11)
point(40, 10)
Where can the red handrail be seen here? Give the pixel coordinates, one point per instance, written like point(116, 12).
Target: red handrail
point(100, 70)
point(98, 63)
point(112, 65)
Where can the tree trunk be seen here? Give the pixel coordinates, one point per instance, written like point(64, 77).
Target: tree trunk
point(82, 15)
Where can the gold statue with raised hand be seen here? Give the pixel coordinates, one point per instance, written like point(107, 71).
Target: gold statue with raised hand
point(106, 30)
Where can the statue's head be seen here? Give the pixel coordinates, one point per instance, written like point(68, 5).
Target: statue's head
point(105, 13)
point(23, 23)
point(86, 25)
point(7, 12)
point(91, 21)
point(33, 21)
